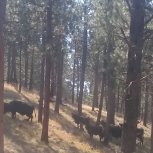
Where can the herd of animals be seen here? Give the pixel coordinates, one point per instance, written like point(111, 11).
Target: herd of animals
point(23, 108)
point(99, 129)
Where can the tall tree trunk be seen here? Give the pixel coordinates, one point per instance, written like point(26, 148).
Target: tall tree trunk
point(91, 86)
point(8, 65)
point(146, 104)
point(44, 135)
point(151, 148)
point(111, 98)
point(95, 95)
point(118, 99)
point(13, 76)
point(61, 75)
point(2, 16)
point(26, 66)
point(84, 56)
point(53, 79)
point(41, 93)
point(31, 72)
point(102, 87)
point(59, 78)
point(122, 102)
point(14, 67)
point(20, 67)
point(78, 78)
point(133, 83)
point(101, 98)
point(73, 86)
point(110, 69)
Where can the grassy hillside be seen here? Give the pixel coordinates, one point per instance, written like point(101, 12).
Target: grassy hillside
point(22, 136)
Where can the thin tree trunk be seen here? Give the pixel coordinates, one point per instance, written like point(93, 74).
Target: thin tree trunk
point(95, 95)
point(31, 72)
point(91, 86)
point(8, 65)
point(41, 93)
point(146, 104)
point(73, 86)
point(61, 76)
point(110, 70)
point(14, 63)
point(26, 66)
point(59, 79)
point(53, 79)
point(133, 89)
point(44, 135)
point(102, 87)
point(78, 78)
point(151, 148)
point(2, 16)
point(101, 99)
point(84, 56)
point(118, 99)
point(13, 77)
point(20, 68)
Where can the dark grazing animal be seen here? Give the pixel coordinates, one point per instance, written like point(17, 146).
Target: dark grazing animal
point(139, 133)
point(115, 131)
point(20, 107)
point(95, 130)
point(80, 119)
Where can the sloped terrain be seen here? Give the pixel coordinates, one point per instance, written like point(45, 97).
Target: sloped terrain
point(22, 136)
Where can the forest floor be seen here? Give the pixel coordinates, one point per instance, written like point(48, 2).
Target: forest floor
point(21, 136)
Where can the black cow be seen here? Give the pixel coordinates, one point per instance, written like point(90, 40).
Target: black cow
point(80, 119)
point(94, 129)
point(114, 130)
point(20, 107)
point(139, 133)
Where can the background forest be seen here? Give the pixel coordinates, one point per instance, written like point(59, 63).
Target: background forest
point(94, 52)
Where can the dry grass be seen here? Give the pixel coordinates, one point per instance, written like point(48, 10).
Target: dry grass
point(64, 137)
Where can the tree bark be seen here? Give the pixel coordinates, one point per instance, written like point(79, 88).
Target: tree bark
point(118, 99)
point(102, 87)
point(41, 93)
point(146, 104)
point(26, 66)
point(44, 135)
point(133, 83)
point(2, 16)
point(8, 65)
point(31, 72)
point(20, 67)
point(95, 95)
point(53, 79)
point(101, 99)
point(13, 77)
point(84, 56)
point(73, 86)
point(78, 77)
point(59, 79)
point(151, 148)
